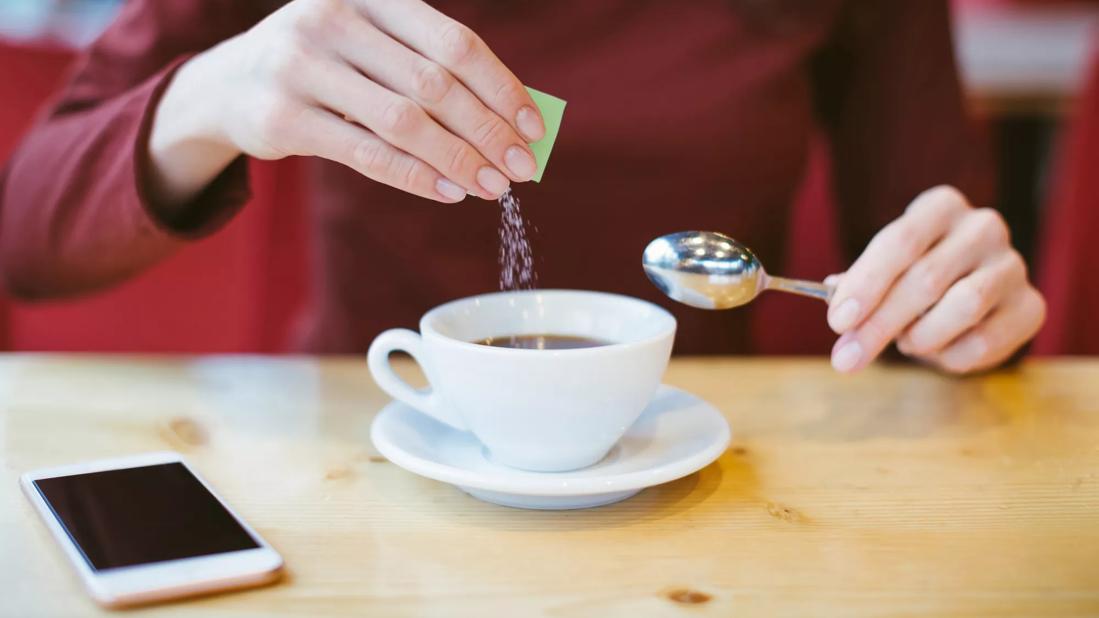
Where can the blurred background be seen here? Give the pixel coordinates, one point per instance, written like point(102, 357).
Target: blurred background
point(1027, 66)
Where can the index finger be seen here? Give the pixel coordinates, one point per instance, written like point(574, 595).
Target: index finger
point(463, 53)
point(890, 253)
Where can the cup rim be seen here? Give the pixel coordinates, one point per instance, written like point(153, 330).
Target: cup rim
point(427, 330)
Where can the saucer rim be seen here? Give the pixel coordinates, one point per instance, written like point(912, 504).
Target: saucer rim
point(560, 483)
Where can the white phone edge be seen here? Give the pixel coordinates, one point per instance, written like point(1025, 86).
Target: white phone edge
point(158, 581)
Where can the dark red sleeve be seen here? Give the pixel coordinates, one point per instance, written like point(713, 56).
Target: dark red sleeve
point(888, 93)
point(74, 215)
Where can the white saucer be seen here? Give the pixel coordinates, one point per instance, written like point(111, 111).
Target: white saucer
point(676, 435)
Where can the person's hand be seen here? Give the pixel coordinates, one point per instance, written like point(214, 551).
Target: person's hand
point(943, 281)
point(391, 88)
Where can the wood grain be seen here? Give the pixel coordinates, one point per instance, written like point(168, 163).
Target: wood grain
point(896, 492)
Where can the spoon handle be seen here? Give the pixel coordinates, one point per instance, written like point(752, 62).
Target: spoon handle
point(804, 288)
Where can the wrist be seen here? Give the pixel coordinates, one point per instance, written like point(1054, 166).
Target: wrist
point(187, 146)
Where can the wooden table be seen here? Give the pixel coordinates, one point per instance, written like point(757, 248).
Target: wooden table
point(895, 492)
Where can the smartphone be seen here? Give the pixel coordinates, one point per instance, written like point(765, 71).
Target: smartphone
point(147, 528)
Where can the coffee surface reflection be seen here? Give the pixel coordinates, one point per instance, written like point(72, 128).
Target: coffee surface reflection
point(542, 342)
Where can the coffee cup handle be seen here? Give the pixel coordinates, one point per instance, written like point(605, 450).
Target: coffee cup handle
point(427, 400)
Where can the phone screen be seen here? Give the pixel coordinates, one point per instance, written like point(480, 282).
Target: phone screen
point(140, 515)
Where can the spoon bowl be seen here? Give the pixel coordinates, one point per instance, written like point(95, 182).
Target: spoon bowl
point(709, 270)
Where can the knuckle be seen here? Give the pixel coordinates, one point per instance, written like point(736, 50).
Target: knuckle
point(1016, 266)
point(413, 173)
point(290, 63)
point(926, 339)
point(488, 131)
point(910, 342)
point(1034, 304)
point(1041, 309)
point(459, 159)
point(431, 83)
point(945, 197)
point(399, 117)
point(991, 225)
point(904, 241)
point(867, 281)
point(876, 331)
point(973, 352)
point(984, 344)
point(508, 95)
point(973, 299)
point(915, 345)
point(949, 193)
point(318, 16)
point(929, 280)
point(457, 43)
point(275, 117)
point(372, 157)
point(955, 364)
point(907, 345)
point(938, 206)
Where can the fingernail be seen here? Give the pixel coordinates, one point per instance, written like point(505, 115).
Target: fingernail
point(845, 315)
point(530, 124)
point(492, 181)
point(831, 280)
point(449, 190)
point(519, 162)
point(847, 356)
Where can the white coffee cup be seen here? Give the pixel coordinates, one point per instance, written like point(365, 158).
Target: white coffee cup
point(543, 410)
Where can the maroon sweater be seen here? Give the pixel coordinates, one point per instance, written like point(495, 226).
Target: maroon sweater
point(681, 115)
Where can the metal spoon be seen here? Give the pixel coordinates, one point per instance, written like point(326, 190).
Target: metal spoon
point(709, 270)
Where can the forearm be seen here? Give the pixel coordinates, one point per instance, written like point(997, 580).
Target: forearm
point(76, 213)
point(81, 201)
point(67, 222)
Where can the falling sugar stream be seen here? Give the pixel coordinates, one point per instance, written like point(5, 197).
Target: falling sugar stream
point(516, 258)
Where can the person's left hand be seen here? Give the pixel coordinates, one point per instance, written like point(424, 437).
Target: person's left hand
point(943, 281)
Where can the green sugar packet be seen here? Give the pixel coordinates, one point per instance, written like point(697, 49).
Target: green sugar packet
point(552, 110)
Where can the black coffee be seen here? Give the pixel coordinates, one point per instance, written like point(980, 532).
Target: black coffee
point(542, 342)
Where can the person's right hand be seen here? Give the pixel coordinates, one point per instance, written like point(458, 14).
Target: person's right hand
point(391, 88)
